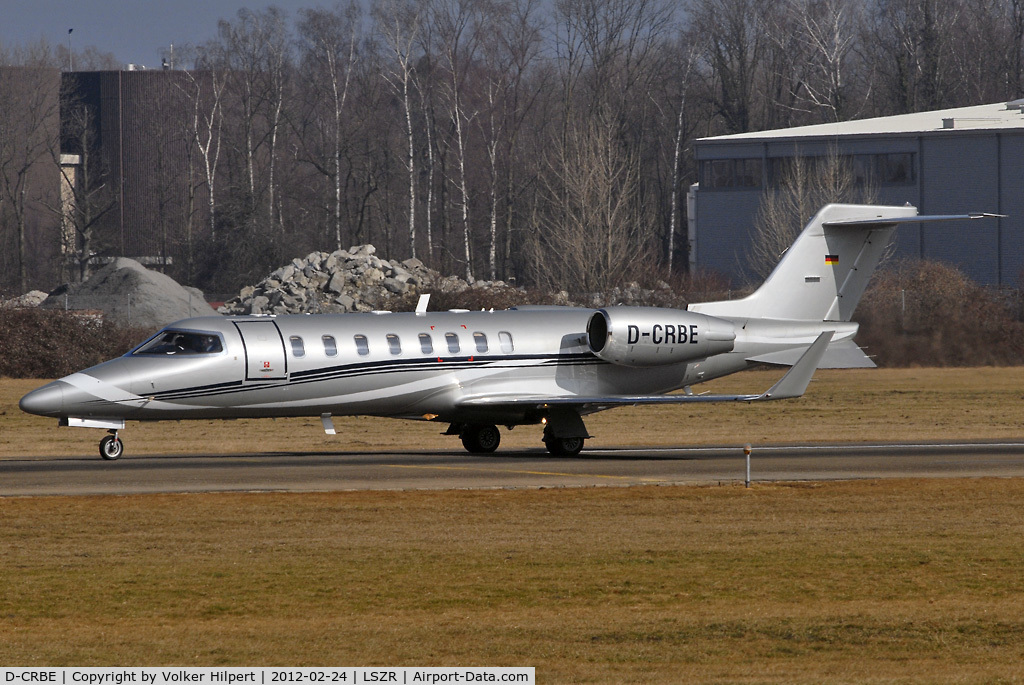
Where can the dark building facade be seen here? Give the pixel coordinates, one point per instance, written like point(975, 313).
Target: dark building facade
point(142, 159)
point(29, 178)
point(944, 162)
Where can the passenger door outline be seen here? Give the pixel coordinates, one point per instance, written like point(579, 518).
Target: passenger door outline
point(265, 357)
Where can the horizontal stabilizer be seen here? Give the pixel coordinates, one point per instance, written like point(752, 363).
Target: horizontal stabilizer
point(839, 355)
point(921, 218)
point(793, 384)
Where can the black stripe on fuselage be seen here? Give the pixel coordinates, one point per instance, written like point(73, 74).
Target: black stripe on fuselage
point(348, 371)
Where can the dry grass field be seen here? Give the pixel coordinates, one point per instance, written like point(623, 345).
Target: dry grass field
point(894, 581)
point(887, 581)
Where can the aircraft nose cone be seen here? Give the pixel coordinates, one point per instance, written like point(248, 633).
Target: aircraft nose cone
point(45, 401)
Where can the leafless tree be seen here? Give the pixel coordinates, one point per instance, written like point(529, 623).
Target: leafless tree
point(804, 187)
point(91, 195)
point(910, 44)
point(509, 49)
point(398, 22)
point(457, 25)
point(255, 50)
point(594, 233)
point(205, 94)
point(733, 42)
point(29, 134)
point(679, 141)
point(328, 45)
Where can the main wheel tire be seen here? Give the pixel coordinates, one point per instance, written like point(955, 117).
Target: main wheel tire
point(481, 439)
point(111, 448)
point(564, 447)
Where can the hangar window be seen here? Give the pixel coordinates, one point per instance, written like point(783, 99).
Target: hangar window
point(426, 344)
point(481, 341)
point(730, 173)
point(453, 342)
point(886, 169)
point(182, 343)
point(505, 339)
point(896, 169)
point(330, 346)
point(362, 346)
point(298, 348)
point(394, 344)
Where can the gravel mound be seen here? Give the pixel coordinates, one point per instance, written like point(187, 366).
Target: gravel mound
point(131, 295)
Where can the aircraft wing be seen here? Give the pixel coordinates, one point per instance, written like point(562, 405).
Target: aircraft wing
point(793, 384)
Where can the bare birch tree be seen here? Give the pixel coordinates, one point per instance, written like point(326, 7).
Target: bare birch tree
point(205, 94)
point(457, 24)
point(398, 23)
point(329, 40)
point(828, 35)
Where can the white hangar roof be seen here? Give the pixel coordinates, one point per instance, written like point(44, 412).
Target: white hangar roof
point(1002, 115)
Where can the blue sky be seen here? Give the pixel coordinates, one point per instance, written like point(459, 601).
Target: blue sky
point(135, 31)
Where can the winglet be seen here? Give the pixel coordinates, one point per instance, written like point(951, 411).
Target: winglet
point(795, 382)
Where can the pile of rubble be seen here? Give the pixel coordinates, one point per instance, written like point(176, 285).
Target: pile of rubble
point(132, 295)
point(352, 280)
point(32, 298)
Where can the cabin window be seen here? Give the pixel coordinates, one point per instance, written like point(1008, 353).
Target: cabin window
point(362, 346)
point(505, 340)
point(426, 344)
point(481, 341)
point(298, 349)
point(181, 343)
point(330, 346)
point(453, 342)
point(394, 344)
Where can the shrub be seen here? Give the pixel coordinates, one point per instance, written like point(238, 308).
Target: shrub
point(926, 313)
point(46, 343)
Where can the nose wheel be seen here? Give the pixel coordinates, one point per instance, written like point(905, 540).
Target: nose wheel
point(111, 446)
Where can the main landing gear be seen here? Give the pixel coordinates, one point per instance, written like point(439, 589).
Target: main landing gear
point(480, 439)
point(564, 434)
point(564, 447)
point(111, 447)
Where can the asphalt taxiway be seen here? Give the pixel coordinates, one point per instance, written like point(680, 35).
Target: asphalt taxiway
point(441, 470)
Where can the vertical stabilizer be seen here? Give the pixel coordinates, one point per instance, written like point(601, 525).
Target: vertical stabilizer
point(822, 276)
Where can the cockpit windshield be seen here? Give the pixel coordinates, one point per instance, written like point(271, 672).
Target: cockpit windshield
point(171, 341)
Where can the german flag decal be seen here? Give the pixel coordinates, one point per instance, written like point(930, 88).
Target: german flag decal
point(831, 259)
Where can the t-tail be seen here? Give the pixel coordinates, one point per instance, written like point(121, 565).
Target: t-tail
point(818, 283)
point(823, 274)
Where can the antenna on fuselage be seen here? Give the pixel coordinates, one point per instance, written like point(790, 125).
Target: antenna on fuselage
point(421, 306)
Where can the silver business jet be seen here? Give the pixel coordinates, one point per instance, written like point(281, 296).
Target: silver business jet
point(478, 370)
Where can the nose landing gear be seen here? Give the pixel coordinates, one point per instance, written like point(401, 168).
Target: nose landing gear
point(111, 447)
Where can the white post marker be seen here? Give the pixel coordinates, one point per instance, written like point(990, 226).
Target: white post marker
point(746, 452)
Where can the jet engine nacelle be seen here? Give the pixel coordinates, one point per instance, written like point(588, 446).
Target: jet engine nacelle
point(649, 336)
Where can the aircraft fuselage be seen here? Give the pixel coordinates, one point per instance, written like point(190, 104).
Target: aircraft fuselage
point(404, 365)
